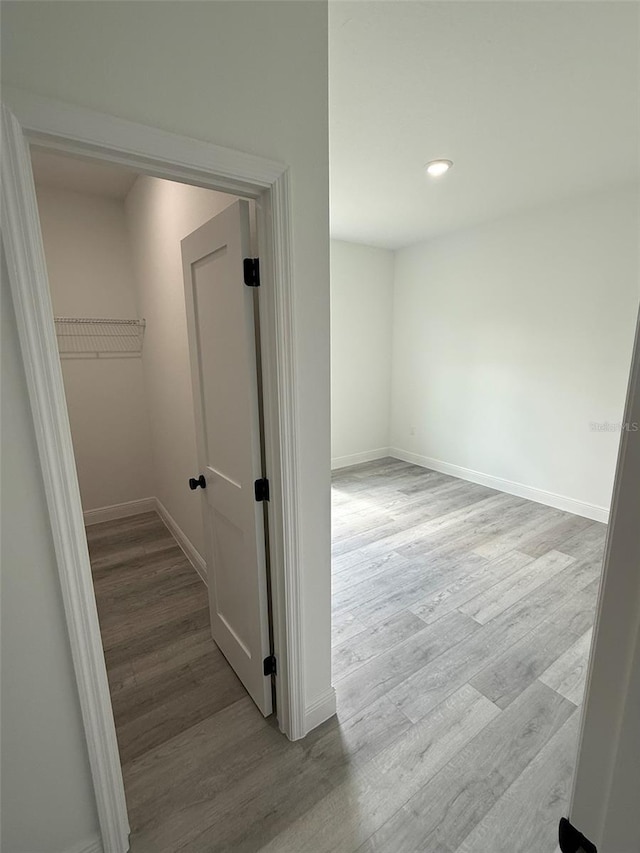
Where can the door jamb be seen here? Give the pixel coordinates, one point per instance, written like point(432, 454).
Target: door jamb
point(604, 747)
point(27, 118)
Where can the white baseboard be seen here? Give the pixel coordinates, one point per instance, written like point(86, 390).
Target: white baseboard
point(130, 508)
point(358, 458)
point(89, 845)
point(319, 710)
point(587, 510)
point(124, 510)
point(190, 552)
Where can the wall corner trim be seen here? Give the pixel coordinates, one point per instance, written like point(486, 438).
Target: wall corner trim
point(587, 510)
point(321, 709)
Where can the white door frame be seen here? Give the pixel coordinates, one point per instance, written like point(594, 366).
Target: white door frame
point(26, 119)
point(607, 776)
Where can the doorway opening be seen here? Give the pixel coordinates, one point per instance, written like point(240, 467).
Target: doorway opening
point(93, 136)
point(158, 331)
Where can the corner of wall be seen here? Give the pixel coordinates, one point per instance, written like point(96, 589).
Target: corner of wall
point(320, 710)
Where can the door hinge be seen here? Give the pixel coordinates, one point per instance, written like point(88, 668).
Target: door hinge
point(572, 841)
point(261, 488)
point(269, 665)
point(252, 272)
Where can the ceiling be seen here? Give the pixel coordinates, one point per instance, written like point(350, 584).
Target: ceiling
point(533, 101)
point(81, 175)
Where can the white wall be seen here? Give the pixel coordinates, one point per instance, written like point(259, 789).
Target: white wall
point(47, 798)
point(91, 275)
point(511, 338)
point(159, 214)
point(252, 76)
point(361, 326)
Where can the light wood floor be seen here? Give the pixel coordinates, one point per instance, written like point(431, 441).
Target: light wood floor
point(462, 621)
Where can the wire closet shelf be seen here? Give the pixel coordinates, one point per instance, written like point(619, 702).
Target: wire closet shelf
point(88, 337)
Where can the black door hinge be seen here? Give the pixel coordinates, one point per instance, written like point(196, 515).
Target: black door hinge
point(261, 488)
point(572, 841)
point(269, 665)
point(252, 272)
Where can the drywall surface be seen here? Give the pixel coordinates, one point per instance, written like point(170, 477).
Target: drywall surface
point(251, 76)
point(159, 214)
point(512, 341)
point(361, 326)
point(91, 275)
point(87, 253)
point(47, 797)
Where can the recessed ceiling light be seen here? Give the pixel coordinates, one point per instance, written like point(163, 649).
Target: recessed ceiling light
point(436, 168)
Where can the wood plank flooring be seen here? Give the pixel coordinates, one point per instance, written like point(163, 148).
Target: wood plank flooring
point(462, 620)
point(165, 672)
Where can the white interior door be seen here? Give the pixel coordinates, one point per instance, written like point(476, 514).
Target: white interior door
point(225, 387)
